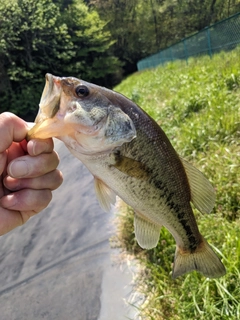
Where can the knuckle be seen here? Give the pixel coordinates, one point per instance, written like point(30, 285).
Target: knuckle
point(57, 179)
point(46, 196)
point(56, 157)
point(7, 116)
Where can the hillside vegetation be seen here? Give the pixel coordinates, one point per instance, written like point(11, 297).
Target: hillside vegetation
point(198, 106)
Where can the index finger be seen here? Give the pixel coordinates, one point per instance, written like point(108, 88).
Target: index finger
point(12, 128)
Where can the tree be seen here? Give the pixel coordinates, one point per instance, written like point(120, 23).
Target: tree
point(132, 28)
point(37, 37)
point(32, 43)
point(93, 59)
point(141, 28)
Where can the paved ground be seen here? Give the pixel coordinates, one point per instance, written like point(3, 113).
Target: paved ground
point(59, 265)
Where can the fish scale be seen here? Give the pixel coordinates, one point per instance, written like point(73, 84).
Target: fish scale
point(145, 198)
point(129, 155)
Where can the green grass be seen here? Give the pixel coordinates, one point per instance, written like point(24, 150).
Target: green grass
point(198, 106)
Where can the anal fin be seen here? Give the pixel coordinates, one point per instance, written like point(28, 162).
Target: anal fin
point(105, 195)
point(147, 233)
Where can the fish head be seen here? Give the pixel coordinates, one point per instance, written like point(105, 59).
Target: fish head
point(85, 116)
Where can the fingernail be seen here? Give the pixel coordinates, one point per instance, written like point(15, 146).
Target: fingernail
point(18, 169)
point(9, 201)
point(11, 183)
point(39, 147)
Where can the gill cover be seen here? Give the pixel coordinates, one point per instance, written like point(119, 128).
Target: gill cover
point(119, 127)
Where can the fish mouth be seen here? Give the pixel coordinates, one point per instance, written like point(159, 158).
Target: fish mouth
point(47, 125)
point(50, 120)
point(50, 99)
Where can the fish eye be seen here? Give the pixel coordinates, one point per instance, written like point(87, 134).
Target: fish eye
point(82, 91)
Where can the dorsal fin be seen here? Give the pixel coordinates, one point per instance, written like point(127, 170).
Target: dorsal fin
point(202, 192)
point(147, 233)
point(105, 195)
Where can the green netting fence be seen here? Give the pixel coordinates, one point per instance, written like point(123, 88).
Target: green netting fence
point(224, 35)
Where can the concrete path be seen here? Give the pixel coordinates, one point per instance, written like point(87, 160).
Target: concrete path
point(59, 266)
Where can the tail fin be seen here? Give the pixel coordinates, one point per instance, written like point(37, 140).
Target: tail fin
point(203, 259)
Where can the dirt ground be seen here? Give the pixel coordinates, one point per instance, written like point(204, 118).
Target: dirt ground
point(60, 264)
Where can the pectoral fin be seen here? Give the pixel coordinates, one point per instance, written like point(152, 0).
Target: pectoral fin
point(146, 232)
point(202, 192)
point(104, 194)
point(131, 167)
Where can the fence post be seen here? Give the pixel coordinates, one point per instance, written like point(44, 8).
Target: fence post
point(185, 50)
point(209, 42)
point(171, 53)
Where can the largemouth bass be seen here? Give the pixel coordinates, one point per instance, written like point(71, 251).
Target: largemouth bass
point(130, 156)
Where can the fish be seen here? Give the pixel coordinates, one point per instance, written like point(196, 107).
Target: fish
point(131, 157)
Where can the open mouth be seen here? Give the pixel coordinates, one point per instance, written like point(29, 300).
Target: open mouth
point(47, 91)
point(46, 126)
point(50, 99)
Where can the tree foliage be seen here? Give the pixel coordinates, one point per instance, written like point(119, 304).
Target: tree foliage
point(42, 36)
point(97, 40)
point(141, 27)
point(92, 57)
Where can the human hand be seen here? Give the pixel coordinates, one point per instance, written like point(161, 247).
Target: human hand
point(28, 173)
